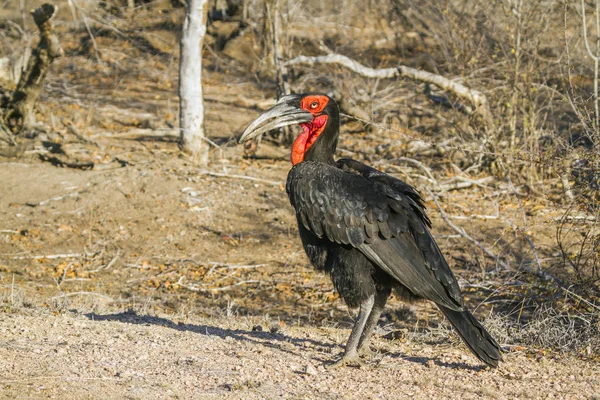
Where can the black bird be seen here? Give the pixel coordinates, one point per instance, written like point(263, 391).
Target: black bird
point(366, 229)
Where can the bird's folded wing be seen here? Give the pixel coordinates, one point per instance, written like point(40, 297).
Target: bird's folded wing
point(386, 222)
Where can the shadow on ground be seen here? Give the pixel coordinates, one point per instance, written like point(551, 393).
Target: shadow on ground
point(254, 336)
point(268, 339)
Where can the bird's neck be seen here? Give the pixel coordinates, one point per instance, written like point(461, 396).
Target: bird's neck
point(323, 148)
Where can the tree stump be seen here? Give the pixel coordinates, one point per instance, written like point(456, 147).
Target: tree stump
point(18, 108)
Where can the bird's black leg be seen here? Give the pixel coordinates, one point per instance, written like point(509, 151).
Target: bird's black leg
point(351, 354)
point(380, 299)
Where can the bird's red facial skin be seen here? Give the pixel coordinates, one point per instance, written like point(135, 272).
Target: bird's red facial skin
point(310, 133)
point(314, 103)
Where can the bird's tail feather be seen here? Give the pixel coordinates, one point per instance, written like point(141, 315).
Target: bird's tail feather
point(474, 335)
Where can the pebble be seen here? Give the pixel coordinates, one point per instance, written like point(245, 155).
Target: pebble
point(309, 370)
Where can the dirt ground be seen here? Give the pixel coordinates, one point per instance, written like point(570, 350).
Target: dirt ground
point(128, 271)
point(126, 355)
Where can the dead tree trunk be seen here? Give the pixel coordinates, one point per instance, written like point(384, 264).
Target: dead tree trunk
point(18, 114)
point(283, 87)
point(281, 70)
point(266, 42)
point(191, 103)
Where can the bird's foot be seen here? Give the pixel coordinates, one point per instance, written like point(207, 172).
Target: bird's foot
point(348, 359)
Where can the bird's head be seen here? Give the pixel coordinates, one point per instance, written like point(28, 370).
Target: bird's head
point(318, 116)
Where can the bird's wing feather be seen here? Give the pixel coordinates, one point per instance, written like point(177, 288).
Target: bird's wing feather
point(381, 216)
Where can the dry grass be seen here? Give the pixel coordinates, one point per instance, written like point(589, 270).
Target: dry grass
point(548, 329)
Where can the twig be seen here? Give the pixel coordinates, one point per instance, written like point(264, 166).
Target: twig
point(250, 178)
point(586, 218)
point(44, 202)
point(49, 256)
point(529, 241)
point(110, 264)
point(580, 298)
point(73, 129)
point(198, 288)
point(418, 164)
point(64, 378)
point(464, 234)
point(89, 31)
point(64, 274)
point(460, 182)
point(235, 266)
point(12, 290)
point(64, 196)
point(103, 296)
point(524, 215)
point(473, 216)
point(594, 57)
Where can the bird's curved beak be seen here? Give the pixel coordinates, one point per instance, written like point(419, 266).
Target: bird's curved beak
point(285, 112)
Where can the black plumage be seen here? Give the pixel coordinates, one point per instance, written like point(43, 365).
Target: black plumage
point(366, 229)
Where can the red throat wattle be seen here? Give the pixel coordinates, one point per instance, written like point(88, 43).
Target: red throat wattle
point(310, 133)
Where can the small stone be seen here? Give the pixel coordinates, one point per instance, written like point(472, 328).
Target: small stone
point(275, 329)
point(429, 363)
point(310, 370)
point(257, 328)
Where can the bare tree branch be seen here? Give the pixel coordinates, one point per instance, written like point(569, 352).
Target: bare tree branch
point(478, 99)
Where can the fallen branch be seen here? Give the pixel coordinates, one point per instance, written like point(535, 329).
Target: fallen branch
point(102, 296)
point(44, 202)
point(241, 101)
point(474, 216)
point(141, 134)
point(49, 256)
point(64, 196)
point(460, 182)
point(585, 218)
point(250, 178)
point(478, 99)
point(58, 162)
point(199, 288)
point(235, 266)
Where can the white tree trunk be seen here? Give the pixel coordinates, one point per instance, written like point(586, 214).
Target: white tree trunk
point(191, 104)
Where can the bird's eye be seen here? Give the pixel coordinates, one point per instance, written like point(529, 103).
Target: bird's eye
point(314, 105)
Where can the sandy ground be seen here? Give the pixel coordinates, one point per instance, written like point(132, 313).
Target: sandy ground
point(126, 355)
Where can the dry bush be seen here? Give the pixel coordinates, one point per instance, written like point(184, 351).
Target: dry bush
point(548, 328)
point(578, 238)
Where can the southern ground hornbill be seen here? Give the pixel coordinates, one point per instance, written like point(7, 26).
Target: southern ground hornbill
point(366, 229)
